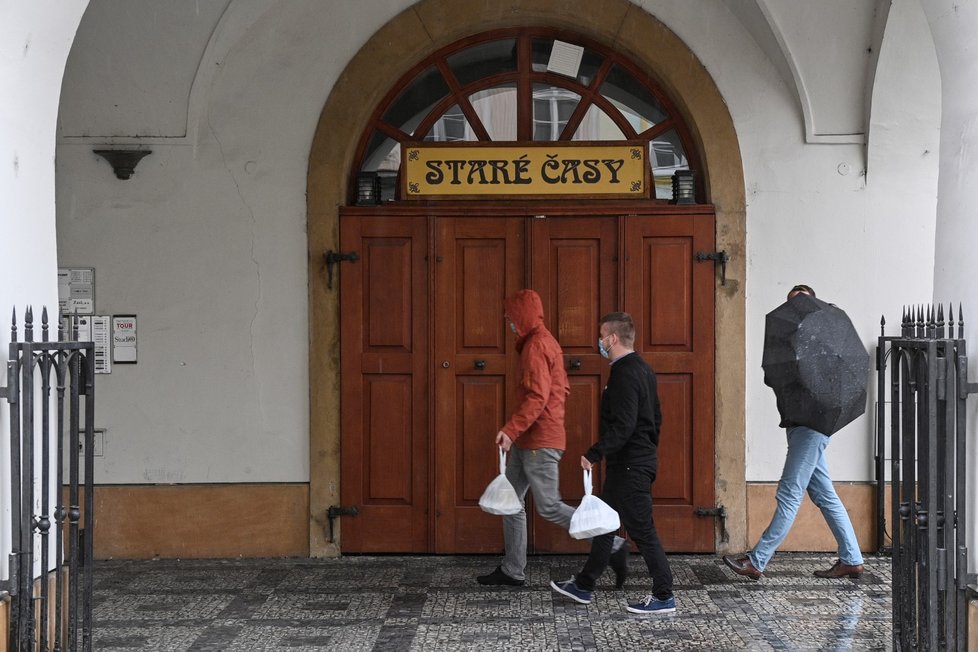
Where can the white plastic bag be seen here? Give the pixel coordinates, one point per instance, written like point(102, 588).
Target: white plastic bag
point(593, 516)
point(500, 497)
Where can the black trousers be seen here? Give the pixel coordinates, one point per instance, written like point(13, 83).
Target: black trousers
point(629, 491)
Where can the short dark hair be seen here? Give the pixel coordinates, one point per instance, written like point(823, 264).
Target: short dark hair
point(801, 287)
point(621, 324)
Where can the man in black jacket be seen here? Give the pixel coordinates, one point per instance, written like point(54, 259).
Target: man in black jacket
point(629, 440)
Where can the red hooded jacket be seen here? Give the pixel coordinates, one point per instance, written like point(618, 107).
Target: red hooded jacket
point(539, 419)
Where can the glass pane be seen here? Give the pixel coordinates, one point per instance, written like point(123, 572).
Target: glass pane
point(451, 127)
point(666, 154)
point(415, 101)
point(383, 154)
point(639, 106)
point(496, 108)
point(482, 60)
point(596, 125)
point(552, 106)
point(590, 61)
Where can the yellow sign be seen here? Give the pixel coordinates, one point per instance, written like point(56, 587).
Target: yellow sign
point(471, 171)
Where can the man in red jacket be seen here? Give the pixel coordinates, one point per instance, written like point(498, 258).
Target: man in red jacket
point(535, 438)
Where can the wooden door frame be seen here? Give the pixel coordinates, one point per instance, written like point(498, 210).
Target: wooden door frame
point(381, 61)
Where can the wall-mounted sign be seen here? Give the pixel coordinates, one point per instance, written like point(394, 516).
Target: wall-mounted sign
point(92, 328)
point(124, 339)
point(76, 290)
point(474, 170)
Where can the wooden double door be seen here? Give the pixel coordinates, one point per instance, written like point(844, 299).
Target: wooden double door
point(429, 368)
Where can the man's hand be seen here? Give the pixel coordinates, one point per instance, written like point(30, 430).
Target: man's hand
point(503, 441)
point(586, 463)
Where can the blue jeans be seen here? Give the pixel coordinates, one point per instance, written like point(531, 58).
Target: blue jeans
point(805, 468)
point(535, 470)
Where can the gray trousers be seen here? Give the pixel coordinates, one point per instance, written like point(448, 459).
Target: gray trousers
point(535, 470)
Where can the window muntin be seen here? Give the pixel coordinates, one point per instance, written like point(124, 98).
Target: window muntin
point(496, 88)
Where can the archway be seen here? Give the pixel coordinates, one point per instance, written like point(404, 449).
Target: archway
point(409, 38)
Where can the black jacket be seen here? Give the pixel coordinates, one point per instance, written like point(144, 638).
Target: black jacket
point(630, 416)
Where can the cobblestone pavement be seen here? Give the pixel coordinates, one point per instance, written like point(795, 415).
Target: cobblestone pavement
point(429, 603)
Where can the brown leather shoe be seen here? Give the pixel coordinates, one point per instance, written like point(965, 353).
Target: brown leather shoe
point(841, 570)
point(742, 566)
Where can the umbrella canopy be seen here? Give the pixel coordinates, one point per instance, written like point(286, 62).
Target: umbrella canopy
point(815, 363)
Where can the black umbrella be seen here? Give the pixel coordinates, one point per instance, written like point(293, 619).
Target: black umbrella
point(816, 364)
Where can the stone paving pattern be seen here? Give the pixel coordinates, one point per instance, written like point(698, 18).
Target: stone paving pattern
point(430, 603)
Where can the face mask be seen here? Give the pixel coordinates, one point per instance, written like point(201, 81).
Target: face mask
point(601, 348)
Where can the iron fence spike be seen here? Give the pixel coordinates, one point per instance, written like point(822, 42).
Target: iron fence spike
point(13, 325)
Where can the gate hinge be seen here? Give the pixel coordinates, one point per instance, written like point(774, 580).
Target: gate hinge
point(716, 512)
point(333, 257)
point(334, 512)
point(721, 257)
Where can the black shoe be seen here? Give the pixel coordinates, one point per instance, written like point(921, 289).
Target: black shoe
point(499, 578)
point(619, 564)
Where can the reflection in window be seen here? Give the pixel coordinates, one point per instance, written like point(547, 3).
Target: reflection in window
point(552, 107)
point(451, 127)
point(415, 101)
point(483, 60)
point(383, 154)
point(597, 125)
point(667, 155)
point(639, 106)
point(496, 108)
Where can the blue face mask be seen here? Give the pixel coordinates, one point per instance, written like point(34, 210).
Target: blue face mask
point(601, 348)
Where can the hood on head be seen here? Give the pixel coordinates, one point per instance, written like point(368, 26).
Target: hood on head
point(525, 309)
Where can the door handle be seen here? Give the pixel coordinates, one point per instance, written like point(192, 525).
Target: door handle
point(480, 364)
point(575, 364)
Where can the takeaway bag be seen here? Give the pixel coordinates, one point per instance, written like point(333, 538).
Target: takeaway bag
point(593, 516)
point(500, 497)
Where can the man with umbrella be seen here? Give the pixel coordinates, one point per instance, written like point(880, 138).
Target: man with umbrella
point(816, 364)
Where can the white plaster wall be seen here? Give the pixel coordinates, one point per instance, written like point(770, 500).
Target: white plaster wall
point(34, 42)
point(206, 243)
point(954, 26)
point(807, 223)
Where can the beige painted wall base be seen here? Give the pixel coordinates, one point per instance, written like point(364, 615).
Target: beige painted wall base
point(810, 532)
point(973, 626)
point(200, 521)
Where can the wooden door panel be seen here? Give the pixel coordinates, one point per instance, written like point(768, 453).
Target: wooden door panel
point(574, 269)
point(670, 296)
point(479, 262)
point(383, 409)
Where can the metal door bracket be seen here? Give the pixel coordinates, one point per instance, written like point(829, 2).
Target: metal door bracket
point(334, 512)
point(333, 257)
point(721, 257)
point(716, 512)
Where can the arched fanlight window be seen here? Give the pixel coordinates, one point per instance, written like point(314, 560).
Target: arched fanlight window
point(528, 84)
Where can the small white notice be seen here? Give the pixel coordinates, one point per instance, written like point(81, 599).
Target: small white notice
point(124, 339)
point(76, 290)
point(100, 335)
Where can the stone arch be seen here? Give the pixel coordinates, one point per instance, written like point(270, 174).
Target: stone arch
point(384, 58)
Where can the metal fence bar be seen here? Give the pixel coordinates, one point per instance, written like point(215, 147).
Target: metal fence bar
point(40, 620)
point(928, 390)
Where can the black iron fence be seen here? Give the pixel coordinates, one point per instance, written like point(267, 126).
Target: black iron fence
point(924, 374)
point(50, 395)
